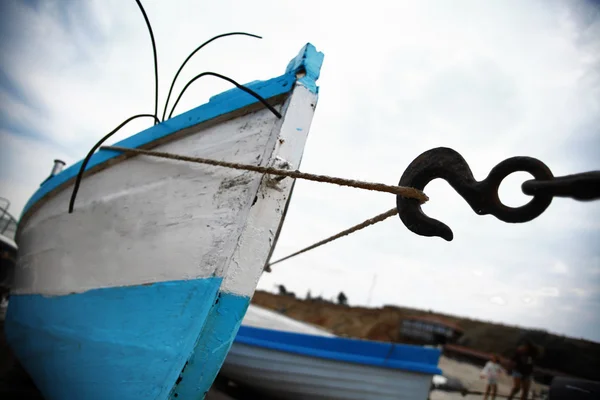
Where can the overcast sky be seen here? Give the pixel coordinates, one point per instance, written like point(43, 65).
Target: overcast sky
point(490, 79)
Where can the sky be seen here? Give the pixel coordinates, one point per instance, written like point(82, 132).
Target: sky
point(491, 80)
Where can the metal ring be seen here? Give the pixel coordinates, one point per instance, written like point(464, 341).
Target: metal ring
point(526, 212)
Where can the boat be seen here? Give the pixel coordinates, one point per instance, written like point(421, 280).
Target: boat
point(140, 292)
point(8, 252)
point(286, 359)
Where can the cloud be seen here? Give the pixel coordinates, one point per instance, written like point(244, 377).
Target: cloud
point(491, 81)
point(560, 268)
point(549, 292)
point(18, 177)
point(527, 300)
point(499, 300)
point(592, 267)
point(580, 292)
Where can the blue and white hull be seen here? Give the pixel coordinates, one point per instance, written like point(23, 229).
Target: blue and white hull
point(289, 360)
point(140, 292)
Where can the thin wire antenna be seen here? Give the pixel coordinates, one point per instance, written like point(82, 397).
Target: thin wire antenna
point(245, 89)
point(192, 54)
point(156, 121)
point(91, 153)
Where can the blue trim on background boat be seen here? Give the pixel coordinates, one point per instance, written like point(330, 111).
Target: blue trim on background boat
point(309, 60)
point(212, 347)
point(379, 354)
point(113, 343)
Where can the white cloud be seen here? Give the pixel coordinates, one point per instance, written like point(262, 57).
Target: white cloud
point(549, 292)
point(527, 300)
point(593, 266)
point(560, 267)
point(499, 300)
point(580, 292)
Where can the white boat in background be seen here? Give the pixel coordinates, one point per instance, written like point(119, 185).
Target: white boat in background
point(287, 359)
point(260, 317)
point(140, 292)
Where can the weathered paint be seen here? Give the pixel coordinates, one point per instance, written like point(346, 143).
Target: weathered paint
point(308, 59)
point(114, 343)
point(148, 219)
point(265, 215)
point(143, 221)
point(253, 248)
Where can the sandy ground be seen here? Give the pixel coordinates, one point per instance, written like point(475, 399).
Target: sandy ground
point(469, 376)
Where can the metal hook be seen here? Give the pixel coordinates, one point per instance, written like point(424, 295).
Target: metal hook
point(449, 165)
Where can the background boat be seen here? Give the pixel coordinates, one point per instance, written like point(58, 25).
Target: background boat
point(8, 251)
point(287, 359)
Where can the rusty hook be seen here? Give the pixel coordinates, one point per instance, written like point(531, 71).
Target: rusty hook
point(482, 196)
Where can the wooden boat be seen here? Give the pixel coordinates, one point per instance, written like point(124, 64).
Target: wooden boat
point(286, 359)
point(140, 292)
point(8, 251)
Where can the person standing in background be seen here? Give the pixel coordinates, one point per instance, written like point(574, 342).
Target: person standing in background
point(491, 372)
point(522, 369)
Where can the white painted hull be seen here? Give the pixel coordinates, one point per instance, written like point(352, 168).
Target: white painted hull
point(285, 373)
point(139, 293)
point(147, 220)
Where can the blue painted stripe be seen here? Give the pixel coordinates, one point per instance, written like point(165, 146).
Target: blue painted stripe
point(308, 60)
point(379, 354)
point(114, 343)
point(211, 349)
